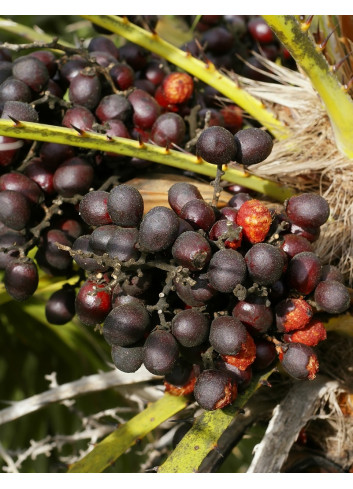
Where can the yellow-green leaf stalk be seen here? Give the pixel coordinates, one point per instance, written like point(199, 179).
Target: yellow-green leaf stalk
point(150, 152)
point(204, 72)
point(106, 452)
point(338, 103)
point(205, 433)
point(26, 32)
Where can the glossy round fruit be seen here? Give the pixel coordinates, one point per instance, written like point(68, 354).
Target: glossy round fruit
point(60, 308)
point(254, 312)
point(158, 229)
point(180, 193)
point(227, 334)
point(190, 327)
point(299, 361)
point(128, 358)
point(199, 214)
point(93, 303)
point(304, 272)
point(160, 352)
point(15, 209)
point(245, 357)
point(73, 176)
point(264, 263)
point(21, 279)
point(226, 270)
point(168, 128)
point(308, 210)
point(125, 206)
point(191, 250)
point(93, 208)
point(216, 145)
point(332, 297)
point(253, 146)
point(215, 389)
point(122, 244)
point(126, 324)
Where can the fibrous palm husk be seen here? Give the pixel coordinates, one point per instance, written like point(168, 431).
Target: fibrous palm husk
point(309, 159)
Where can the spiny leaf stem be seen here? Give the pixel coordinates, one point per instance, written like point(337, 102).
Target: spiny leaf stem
point(150, 152)
point(339, 105)
point(204, 72)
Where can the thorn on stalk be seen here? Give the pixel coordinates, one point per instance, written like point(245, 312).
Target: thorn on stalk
point(16, 121)
point(306, 23)
point(323, 44)
point(80, 131)
point(338, 65)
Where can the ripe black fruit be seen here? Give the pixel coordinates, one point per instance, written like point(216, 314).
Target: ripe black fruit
point(215, 389)
point(216, 145)
point(126, 324)
point(160, 352)
point(253, 146)
point(332, 296)
point(21, 279)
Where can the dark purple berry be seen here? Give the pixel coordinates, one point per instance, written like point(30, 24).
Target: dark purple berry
point(125, 206)
point(60, 308)
point(32, 72)
point(158, 229)
point(308, 210)
point(190, 327)
point(180, 193)
point(93, 208)
point(227, 334)
point(226, 270)
point(73, 176)
point(160, 352)
point(113, 107)
point(191, 250)
point(85, 89)
point(332, 297)
point(122, 244)
point(304, 272)
point(128, 358)
point(168, 128)
point(254, 312)
point(216, 145)
point(93, 303)
point(126, 324)
point(264, 263)
point(199, 214)
point(215, 389)
point(15, 209)
point(253, 146)
point(21, 279)
point(299, 361)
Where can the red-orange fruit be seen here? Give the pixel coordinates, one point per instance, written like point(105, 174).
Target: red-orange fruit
point(177, 87)
point(255, 219)
point(292, 314)
point(311, 335)
point(181, 381)
point(245, 357)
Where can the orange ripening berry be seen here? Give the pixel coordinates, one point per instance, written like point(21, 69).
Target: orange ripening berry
point(183, 390)
point(311, 335)
point(177, 87)
point(292, 314)
point(245, 357)
point(255, 219)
